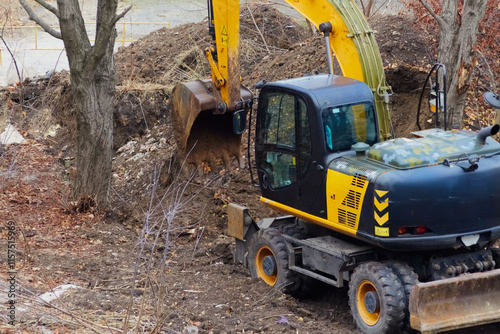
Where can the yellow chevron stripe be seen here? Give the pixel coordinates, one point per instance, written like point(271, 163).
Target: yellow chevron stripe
point(381, 220)
point(381, 206)
point(381, 193)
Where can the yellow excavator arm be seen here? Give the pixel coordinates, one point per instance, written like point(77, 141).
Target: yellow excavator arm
point(225, 63)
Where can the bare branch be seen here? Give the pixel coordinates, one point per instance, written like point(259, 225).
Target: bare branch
point(8, 48)
point(438, 19)
point(102, 40)
point(39, 21)
point(13, 58)
point(385, 3)
point(122, 14)
point(48, 7)
point(492, 76)
point(257, 27)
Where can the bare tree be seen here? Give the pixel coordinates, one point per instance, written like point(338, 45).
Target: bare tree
point(366, 6)
point(458, 24)
point(372, 7)
point(93, 88)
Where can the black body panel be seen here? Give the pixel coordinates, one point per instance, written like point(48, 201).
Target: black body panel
point(448, 201)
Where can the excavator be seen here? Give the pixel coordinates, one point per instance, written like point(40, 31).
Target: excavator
point(410, 225)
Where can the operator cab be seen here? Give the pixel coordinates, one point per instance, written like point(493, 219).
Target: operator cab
point(302, 124)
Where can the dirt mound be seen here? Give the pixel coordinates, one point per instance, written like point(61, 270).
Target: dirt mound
point(401, 44)
point(167, 56)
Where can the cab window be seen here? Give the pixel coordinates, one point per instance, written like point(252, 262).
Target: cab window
point(279, 120)
point(284, 138)
point(348, 124)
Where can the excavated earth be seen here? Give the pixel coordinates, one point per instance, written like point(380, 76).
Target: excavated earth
point(194, 286)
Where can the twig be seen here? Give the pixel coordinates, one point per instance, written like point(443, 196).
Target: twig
point(257, 27)
point(269, 293)
point(492, 76)
point(277, 315)
point(36, 302)
point(143, 114)
point(12, 56)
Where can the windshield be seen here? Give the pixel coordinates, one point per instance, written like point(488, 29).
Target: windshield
point(348, 124)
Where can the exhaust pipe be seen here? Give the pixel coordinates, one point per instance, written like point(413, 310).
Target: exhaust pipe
point(486, 132)
point(326, 29)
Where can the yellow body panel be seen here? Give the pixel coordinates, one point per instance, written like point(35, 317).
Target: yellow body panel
point(344, 198)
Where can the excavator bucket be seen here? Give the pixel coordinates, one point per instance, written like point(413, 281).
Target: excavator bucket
point(203, 125)
point(459, 302)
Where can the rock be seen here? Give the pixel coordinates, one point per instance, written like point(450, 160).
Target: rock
point(11, 136)
point(190, 329)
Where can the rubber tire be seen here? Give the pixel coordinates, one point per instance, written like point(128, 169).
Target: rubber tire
point(270, 241)
point(380, 278)
point(408, 279)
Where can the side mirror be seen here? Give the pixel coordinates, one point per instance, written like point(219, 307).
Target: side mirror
point(239, 122)
point(493, 100)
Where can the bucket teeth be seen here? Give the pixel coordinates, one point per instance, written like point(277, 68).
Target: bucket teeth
point(210, 146)
point(210, 159)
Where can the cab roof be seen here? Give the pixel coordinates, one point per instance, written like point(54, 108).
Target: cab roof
point(328, 90)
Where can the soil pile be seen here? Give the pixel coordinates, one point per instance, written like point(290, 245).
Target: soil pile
point(168, 56)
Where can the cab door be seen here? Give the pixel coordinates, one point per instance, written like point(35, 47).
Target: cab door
point(283, 145)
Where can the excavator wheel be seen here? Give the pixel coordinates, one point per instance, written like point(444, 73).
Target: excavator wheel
point(268, 260)
point(408, 279)
point(377, 299)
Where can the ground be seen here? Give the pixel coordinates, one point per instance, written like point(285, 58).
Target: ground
point(158, 258)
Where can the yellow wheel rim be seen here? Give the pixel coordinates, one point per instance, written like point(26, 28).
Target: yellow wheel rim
point(369, 318)
point(259, 264)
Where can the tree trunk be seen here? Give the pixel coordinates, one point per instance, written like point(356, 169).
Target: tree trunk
point(93, 96)
point(458, 35)
point(93, 87)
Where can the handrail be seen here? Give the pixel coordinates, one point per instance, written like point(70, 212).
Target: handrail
point(123, 40)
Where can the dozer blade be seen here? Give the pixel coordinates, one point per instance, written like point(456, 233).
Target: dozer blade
point(203, 125)
point(459, 302)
